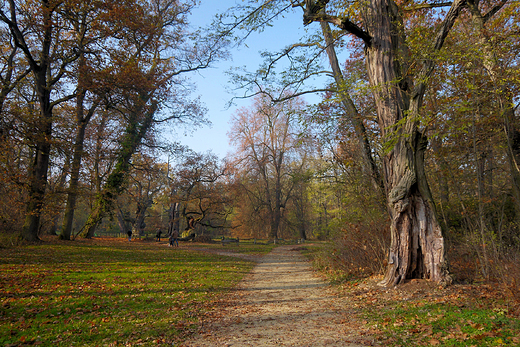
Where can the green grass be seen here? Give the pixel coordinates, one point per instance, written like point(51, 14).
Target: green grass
point(108, 293)
point(463, 322)
point(243, 247)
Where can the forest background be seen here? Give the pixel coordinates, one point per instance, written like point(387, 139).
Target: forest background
point(91, 92)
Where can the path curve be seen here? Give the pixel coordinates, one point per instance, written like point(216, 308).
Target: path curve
point(280, 303)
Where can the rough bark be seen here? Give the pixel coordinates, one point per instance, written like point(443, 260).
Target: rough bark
point(39, 168)
point(36, 191)
point(417, 244)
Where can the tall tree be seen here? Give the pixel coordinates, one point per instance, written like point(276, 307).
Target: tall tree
point(88, 31)
point(266, 138)
point(417, 247)
point(40, 32)
point(148, 81)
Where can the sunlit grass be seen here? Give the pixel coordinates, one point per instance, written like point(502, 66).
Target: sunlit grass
point(108, 294)
point(262, 247)
point(463, 322)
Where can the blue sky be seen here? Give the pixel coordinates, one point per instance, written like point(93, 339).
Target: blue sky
point(212, 84)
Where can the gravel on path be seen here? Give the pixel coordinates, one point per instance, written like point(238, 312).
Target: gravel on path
point(281, 303)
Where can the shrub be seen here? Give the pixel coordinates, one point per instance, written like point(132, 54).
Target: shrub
point(203, 239)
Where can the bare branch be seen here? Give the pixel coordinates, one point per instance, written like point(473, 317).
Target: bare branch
point(314, 11)
point(494, 10)
point(284, 98)
point(426, 6)
point(427, 69)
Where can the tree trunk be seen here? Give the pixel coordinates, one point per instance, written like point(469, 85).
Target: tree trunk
point(39, 168)
point(42, 131)
point(73, 184)
point(174, 219)
point(82, 122)
point(134, 133)
point(139, 224)
point(417, 244)
point(36, 191)
point(72, 194)
point(122, 221)
point(300, 202)
point(276, 210)
point(369, 163)
point(58, 187)
point(275, 223)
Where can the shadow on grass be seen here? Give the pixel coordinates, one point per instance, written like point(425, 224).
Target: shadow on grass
point(92, 295)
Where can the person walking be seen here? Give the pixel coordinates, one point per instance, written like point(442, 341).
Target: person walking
point(129, 233)
point(174, 238)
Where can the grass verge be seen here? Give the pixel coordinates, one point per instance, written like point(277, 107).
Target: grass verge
point(109, 292)
point(420, 313)
point(465, 315)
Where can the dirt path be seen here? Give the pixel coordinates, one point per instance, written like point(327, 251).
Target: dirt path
point(281, 303)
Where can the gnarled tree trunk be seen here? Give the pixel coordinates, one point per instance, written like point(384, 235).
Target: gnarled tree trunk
point(417, 244)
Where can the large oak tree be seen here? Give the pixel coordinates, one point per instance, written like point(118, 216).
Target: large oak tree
point(398, 78)
point(417, 244)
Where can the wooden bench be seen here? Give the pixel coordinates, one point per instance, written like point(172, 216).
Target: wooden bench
point(226, 241)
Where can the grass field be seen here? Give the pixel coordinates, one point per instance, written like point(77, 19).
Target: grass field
point(110, 292)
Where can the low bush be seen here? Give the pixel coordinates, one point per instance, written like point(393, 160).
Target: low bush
point(203, 239)
point(358, 252)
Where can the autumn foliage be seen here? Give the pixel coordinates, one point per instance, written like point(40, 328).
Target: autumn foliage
point(82, 149)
